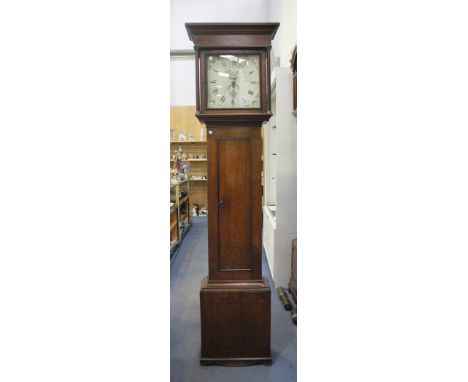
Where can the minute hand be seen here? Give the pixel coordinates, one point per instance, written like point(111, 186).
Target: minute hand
point(233, 90)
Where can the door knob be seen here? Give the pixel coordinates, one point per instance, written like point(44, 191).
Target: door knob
point(221, 203)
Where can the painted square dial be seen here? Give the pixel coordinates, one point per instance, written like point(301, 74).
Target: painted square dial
point(233, 81)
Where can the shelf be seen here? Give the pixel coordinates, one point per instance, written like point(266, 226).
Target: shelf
point(173, 225)
point(173, 208)
point(181, 182)
point(270, 216)
point(183, 200)
point(173, 246)
point(187, 142)
point(198, 180)
point(191, 160)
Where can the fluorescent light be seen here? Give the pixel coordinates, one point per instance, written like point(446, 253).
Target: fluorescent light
point(229, 57)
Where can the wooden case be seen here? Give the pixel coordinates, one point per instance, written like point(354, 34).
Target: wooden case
point(234, 298)
point(242, 337)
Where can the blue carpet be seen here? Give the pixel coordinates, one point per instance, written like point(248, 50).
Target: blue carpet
point(189, 267)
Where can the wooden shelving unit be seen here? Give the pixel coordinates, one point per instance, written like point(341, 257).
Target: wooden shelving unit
point(183, 121)
point(192, 160)
point(179, 213)
point(191, 143)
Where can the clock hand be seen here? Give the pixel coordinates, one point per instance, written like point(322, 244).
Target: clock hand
point(233, 87)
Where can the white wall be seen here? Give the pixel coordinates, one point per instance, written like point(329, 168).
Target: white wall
point(183, 11)
point(284, 12)
point(183, 81)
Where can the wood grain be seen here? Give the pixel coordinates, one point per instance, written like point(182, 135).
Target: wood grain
point(234, 228)
point(242, 336)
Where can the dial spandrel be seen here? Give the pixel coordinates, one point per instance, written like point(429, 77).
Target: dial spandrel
point(233, 82)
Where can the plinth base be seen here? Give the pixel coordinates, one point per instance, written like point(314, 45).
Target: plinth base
point(235, 323)
point(235, 361)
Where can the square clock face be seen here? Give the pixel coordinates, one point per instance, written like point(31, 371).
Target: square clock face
point(233, 81)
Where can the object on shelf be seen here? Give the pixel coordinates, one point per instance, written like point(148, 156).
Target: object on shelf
point(201, 134)
point(198, 177)
point(178, 155)
point(186, 170)
point(284, 298)
point(182, 137)
point(178, 177)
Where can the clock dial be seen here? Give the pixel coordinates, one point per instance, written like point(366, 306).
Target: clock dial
point(233, 81)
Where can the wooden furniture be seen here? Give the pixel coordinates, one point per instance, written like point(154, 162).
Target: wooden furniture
point(233, 100)
point(196, 156)
point(280, 178)
point(183, 121)
point(174, 231)
point(294, 70)
point(292, 285)
point(179, 213)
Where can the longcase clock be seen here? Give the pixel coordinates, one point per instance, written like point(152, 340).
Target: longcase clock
point(233, 100)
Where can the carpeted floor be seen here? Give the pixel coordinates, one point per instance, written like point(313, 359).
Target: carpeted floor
point(189, 266)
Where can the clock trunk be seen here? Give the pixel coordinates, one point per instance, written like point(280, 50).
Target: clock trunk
point(234, 199)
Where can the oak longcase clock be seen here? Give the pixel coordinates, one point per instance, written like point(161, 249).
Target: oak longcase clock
point(233, 100)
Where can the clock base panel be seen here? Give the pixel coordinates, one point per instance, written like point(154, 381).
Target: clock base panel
point(235, 324)
point(235, 362)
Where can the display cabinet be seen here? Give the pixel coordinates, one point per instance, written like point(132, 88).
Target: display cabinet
point(189, 135)
point(180, 219)
point(174, 227)
point(280, 178)
point(195, 154)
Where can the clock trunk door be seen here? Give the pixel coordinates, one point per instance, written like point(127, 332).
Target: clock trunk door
point(234, 194)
